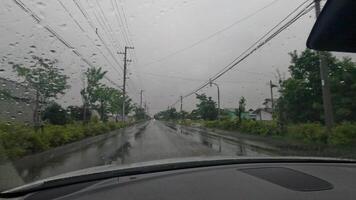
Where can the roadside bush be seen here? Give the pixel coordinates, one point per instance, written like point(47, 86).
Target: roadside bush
point(263, 128)
point(18, 140)
point(310, 133)
point(15, 139)
point(211, 124)
point(344, 134)
point(221, 124)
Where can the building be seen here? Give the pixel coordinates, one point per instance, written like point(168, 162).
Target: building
point(263, 114)
point(16, 102)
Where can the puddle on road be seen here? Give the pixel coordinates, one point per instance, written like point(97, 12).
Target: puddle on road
point(224, 146)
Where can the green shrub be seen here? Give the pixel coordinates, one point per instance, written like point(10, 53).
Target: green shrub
point(310, 133)
point(15, 139)
point(263, 128)
point(19, 140)
point(344, 134)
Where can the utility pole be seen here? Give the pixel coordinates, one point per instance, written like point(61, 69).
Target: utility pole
point(141, 98)
point(181, 104)
point(271, 85)
point(124, 81)
point(325, 84)
point(217, 86)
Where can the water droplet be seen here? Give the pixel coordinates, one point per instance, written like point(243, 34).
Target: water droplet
point(19, 112)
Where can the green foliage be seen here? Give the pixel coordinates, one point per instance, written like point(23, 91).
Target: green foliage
point(76, 113)
point(55, 114)
point(242, 108)
point(93, 76)
point(206, 107)
point(264, 128)
point(140, 113)
point(344, 134)
point(302, 91)
point(170, 114)
point(19, 140)
point(309, 133)
point(222, 124)
point(45, 78)
point(103, 98)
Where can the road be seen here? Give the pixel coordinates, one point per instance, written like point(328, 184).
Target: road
point(153, 140)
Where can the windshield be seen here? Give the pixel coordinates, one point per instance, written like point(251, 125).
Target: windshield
point(87, 83)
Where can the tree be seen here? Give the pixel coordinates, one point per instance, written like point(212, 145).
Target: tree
point(206, 107)
point(55, 114)
point(140, 113)
point(242, 108)
point(301, 94)
point(169, 114)
point(103, 94)
point(90, 93)
point(343, 87)
point(46, 79)
point(77, 113)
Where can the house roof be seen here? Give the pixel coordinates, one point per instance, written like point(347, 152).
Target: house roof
point(258, 110)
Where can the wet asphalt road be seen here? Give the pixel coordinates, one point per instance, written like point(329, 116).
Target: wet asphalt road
point(144, 142)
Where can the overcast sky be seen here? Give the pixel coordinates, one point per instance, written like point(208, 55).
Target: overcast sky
point(159, 30)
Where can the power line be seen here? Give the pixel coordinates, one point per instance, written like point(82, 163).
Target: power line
point(259, 44)
point(86, 16)
point(193, 79)
point(110, 30)
point(53, 32)
point(118, 20)
point(213, 34)
point(82, 29)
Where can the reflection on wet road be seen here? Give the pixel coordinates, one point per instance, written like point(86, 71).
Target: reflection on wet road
point(144, 142)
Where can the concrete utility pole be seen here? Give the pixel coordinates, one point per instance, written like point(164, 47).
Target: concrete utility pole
point(181, 104)
point(327, 103)
point(124, 80)
point(271, 85)
point(141, 98)
point(217, 86)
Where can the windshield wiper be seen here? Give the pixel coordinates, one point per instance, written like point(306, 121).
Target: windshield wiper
point(160, 167)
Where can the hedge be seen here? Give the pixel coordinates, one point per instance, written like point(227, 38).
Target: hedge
point(17, 140)
point(342, 135)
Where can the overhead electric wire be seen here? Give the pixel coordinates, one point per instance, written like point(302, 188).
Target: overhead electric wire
point(212, 35)
point(91, 41)
point(118, 20)
point(259, 44)
point(110, 31)
point(86, 16)
point(53, 32)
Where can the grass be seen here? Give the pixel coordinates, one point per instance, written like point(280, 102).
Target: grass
point(17, 140)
